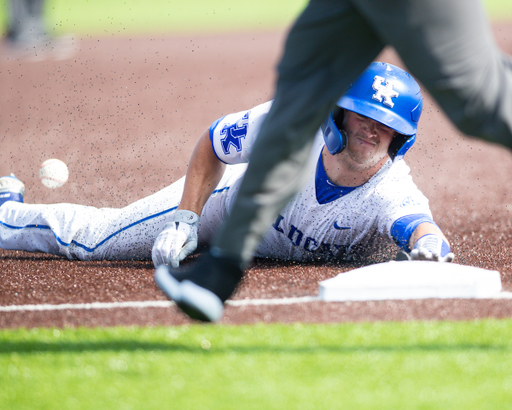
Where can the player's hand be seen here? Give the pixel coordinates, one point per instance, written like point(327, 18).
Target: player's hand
point(177, 240)
point(428, 248)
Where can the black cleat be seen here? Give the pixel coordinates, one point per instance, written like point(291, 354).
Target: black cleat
point(201, 290)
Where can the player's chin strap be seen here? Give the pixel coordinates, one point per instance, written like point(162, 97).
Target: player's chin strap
point(429, 247)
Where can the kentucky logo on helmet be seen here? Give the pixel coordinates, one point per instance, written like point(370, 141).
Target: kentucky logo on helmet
point(384, 91)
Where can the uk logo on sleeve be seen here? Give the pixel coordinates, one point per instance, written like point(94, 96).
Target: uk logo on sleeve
point(234, 134)
point(385, 91)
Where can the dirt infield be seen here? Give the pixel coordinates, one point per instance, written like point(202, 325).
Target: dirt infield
point(124, 114)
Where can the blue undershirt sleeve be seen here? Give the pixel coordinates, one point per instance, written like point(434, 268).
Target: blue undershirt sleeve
point(403, 228)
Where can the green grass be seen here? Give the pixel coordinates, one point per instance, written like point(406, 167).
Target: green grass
point(131, 17)
point(114, 17)
point(499, 9)
point(418, 365)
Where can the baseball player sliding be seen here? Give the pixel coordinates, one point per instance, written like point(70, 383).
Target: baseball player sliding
point(358, 198)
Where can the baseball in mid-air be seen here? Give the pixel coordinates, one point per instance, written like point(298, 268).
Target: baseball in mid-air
point(53, 173)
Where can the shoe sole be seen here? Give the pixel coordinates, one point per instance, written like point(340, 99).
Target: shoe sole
point(197, 302)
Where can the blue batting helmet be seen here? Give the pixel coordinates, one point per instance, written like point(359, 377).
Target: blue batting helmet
point(386, 94)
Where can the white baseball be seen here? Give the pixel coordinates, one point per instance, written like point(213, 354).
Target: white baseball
point(53, 173)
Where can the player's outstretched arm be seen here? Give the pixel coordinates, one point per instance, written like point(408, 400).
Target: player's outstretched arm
point(428, 243)
point(178, 239)
point(204, 172)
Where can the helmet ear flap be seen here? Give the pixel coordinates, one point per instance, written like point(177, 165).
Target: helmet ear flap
point(400, 145)
point(335, 136)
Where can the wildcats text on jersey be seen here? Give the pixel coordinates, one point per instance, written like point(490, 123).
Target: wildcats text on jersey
point(309, 244)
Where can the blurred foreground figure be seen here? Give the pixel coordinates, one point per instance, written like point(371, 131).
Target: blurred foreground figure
point(28, 37)
point(447, 44)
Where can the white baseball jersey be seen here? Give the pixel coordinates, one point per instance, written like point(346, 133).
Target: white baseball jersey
point(322, 222)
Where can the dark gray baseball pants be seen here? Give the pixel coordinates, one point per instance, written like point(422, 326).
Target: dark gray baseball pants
point(446, 44)
point(26, 21)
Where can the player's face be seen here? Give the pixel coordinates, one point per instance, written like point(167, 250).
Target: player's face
point(368, 140)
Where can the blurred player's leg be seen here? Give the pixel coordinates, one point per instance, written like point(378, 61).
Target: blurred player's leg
point(449, 47)
point(26, 25)
point(317, 66)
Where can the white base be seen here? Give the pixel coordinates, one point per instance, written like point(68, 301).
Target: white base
point(411, 280)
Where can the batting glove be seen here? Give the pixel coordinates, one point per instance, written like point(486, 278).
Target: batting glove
point(177, 240)
point(429, 247)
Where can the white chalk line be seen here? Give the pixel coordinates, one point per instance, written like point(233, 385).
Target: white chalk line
point(167, 303)
point(503, 295)
point(150, 304)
